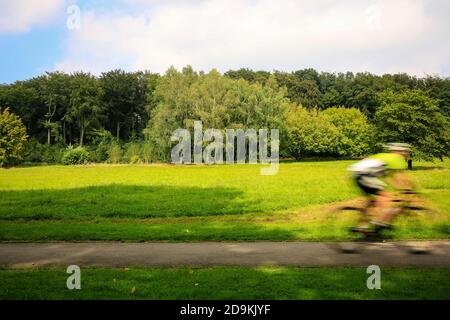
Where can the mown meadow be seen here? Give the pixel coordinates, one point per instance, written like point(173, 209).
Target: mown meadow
point(225, 283)
point(194, 203)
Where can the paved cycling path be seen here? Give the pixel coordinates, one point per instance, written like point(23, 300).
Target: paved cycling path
point(116, 254)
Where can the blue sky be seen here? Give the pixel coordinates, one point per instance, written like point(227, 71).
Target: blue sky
point(379, 36)
point(30, 53)
point(24, 54)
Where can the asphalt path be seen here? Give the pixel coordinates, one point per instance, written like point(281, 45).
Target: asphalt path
point(205, 254)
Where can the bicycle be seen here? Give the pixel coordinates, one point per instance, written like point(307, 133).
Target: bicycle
point(408, 204)
point(403, 204)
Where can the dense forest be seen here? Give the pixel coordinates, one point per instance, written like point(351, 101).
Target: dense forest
point(129, 116)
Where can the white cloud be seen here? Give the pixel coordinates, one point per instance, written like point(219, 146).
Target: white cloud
point(377, 36)
point(21, 15)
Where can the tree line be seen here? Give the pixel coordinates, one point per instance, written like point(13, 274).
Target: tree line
point(132, 114)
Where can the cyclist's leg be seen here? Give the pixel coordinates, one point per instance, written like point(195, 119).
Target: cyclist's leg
point(363, 181)
point(385, 209)
point(368, 207)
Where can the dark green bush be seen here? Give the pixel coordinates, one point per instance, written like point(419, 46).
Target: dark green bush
point(33, 151)
point(53, 154)
point(74, 156)
point(101, 143)
point(36, 152)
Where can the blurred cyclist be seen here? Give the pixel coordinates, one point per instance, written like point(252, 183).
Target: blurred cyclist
point(377, 176)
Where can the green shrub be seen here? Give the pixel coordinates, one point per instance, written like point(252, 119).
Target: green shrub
point(134, 160)
point(53, 154)
point(101, 143)
point(147, 152)
point(33, 151)
point(355, 134)
point(74, 156)
point(36, 152)
point(13, 136)
point(115, 153)
point(335, 132)
point(133, 154)
point(310, 133)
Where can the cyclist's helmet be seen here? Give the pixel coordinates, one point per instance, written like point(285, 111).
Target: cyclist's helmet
point(397, 146)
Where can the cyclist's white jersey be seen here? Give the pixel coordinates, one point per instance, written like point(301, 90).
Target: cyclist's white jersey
point(368, 166)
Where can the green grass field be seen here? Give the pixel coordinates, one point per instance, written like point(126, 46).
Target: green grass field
point(226, 283)
point(194, 203)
